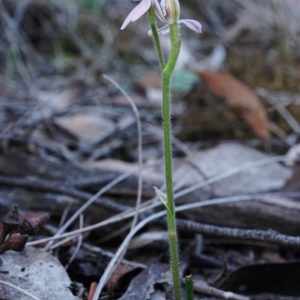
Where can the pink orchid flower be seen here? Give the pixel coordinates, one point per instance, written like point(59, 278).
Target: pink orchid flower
point(168, 12)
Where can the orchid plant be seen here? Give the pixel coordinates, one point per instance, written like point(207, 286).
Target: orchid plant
point(167, 11)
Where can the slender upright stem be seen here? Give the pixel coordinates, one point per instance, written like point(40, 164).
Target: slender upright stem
point(189, 287)
point(175, 49)
point(173, 241)
point(152, 20)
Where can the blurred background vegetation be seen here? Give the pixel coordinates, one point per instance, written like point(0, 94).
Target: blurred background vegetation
point(50, 45)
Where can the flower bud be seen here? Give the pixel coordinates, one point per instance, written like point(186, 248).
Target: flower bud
point(171, 10)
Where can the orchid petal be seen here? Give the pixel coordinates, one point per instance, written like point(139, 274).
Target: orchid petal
point(163, 7)
point(137, 12)
point(159, 12)
point(192, 24)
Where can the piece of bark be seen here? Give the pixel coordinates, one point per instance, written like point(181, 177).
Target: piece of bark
point(259, 214)
point(22, 164)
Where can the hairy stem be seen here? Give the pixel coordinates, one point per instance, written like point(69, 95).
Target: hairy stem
point(171, 217)
point(152, 21)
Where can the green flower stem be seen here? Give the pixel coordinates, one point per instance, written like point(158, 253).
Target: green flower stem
point(175, 42)
point(189, 288)
point(152, 21)
point(171, 218)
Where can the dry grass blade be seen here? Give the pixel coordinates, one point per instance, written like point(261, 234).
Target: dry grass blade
point(139, 147)
point(91, 200)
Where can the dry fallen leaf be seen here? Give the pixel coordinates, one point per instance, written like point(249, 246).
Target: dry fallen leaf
point(121, 270)
point(85, 126)
point(37, 272)
point(233, 155)
point(58, 100)
point(142, 286)
point(240, 97)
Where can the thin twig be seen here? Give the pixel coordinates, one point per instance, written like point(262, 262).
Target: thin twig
point(115, 233)
point(79, 243)
point(281, 109)
point(93, 199)
point(109, 254)
point(203, 288)
point(64, 216)
point(269, 236)
point(63, 242)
